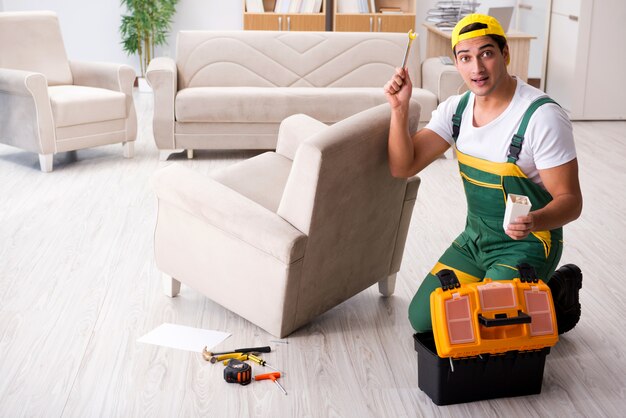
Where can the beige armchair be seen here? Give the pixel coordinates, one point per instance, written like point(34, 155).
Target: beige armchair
point(49, 104)
point(293, 232)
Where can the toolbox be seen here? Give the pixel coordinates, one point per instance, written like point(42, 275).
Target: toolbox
point(490, 339)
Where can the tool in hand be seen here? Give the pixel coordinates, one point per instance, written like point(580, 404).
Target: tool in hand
point(273, 377)
point(208, 354)
point(260, 362)
point(412, 36)
point(238, 372)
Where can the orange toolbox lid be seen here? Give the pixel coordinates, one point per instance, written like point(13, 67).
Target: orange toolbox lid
point(492, 316)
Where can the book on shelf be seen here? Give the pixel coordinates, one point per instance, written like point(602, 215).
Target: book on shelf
point(311, 6)
point(372, 6)
point(348, 6)
point(391, 10)
point(254, 6)
point(282, 6)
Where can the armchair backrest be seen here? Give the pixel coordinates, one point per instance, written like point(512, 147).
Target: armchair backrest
point(291, 59)
point(341, 194)
point(31, 41)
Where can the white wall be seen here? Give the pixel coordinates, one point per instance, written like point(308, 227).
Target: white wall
point(91, 27)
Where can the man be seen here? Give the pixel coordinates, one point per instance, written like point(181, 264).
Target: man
point(500, 151)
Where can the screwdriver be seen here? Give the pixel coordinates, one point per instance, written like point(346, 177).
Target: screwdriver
point(260, 362)
point(265, 349)
point(273, 377)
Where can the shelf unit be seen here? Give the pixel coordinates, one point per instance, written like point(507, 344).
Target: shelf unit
point(376, 22)
point(284, 21)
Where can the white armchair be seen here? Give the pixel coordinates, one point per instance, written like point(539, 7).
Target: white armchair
point(49, 104)
point(301, 229)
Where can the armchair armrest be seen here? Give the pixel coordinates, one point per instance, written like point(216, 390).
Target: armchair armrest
point(293, 131)
point(118, 77)
point(227, 210)
point(441, 79)
point(162, 75)
point(26, 118)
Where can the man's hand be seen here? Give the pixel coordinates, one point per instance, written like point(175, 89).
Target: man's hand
point(399, 89)
point(521, 227)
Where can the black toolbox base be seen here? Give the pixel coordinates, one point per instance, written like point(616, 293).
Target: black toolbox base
point(515, 373)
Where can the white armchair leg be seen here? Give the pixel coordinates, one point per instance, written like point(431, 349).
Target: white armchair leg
point(190, 154)
point(171, 286)
point(129, 149)
point(45, 162)
point(164, 154)
point(387, 286)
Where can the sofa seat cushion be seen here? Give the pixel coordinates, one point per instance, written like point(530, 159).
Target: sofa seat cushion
point(273, 104)
point(261, 179)
point(76, 105)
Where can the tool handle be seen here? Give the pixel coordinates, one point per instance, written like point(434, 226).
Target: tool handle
point(272, 376)
point(521, 318)
point(266, 349)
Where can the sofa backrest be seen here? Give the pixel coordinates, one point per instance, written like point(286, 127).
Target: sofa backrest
point(341, 194)
point(291, 59)
point(31, 41)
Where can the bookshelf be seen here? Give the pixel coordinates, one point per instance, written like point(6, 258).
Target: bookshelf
point(283, 21)
point(388, 16)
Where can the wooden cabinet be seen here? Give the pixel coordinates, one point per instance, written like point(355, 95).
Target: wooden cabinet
point(284, 21)
point(376, 22)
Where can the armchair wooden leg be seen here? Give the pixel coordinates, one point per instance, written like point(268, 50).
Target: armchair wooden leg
point(129, 149)
point(45, 162)
point(190, 154)
point(387, 286)
point(171, 286)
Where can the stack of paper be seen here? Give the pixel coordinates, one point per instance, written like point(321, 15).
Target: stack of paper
point(447, 13)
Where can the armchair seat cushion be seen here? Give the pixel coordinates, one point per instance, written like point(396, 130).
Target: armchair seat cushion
point(261, 179)
point(76, 105)
point(273, 104)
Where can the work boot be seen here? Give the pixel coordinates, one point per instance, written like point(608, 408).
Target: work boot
point(565, 285)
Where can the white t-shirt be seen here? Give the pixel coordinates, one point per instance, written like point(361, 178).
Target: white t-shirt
point(548, 141)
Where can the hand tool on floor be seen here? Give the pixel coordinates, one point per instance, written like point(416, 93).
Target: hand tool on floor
point(412, 36)
point(273, 377)
point(226, 357)
point(260, 362)
point(238, 372)
point(208, 354)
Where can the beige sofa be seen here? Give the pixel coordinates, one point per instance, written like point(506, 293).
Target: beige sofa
point(49, 104)
point(231, 90)
point(291, 233)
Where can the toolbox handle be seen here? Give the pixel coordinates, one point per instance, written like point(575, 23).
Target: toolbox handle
point(521, 318)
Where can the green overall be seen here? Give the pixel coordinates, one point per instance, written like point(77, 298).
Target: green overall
point(483, 250)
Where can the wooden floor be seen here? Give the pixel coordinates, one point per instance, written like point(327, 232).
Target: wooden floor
point(78, 286)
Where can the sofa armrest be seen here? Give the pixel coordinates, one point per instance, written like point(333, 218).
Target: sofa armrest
point(227, 210)
point(26, 118)
point(410, 196)
point(162, 75)
point(293, 131)
point(441, 79)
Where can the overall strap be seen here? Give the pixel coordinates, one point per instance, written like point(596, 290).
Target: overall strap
point(516, 143)
point(456, 118)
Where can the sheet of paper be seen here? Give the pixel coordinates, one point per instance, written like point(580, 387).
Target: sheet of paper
point(183, 337)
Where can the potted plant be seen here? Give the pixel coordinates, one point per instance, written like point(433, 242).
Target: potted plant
point(146, 25)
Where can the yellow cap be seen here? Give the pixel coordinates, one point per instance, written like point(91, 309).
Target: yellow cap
point(493, 28)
